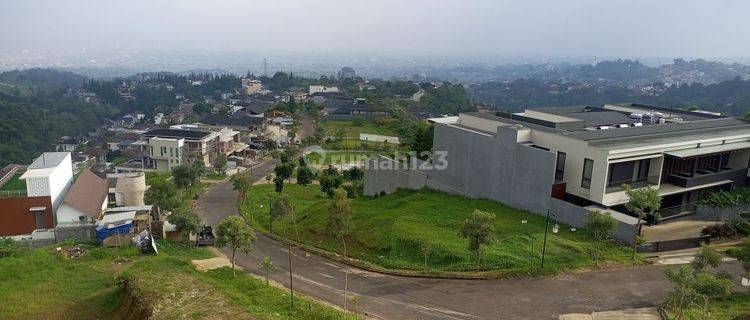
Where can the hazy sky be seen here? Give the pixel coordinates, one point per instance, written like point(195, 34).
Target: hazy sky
point(409, 27)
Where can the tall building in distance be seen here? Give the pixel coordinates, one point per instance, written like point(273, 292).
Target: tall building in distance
point(346, 73)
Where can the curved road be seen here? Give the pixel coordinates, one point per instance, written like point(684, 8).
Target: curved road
point(393, 297)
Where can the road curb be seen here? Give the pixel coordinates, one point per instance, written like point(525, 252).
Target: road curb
point(367, 267)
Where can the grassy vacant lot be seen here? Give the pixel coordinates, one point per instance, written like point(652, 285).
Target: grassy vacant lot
point(353, 131)
point(338, 157)
point(41, 284)
point(14, 184)
point(733, 307)
point(390, 230)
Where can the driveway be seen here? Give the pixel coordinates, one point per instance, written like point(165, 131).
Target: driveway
point(393, 297)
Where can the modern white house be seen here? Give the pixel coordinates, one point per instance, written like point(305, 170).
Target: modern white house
point(572, 160)
point(597, 150)
point(51, 174)
point(316, 89)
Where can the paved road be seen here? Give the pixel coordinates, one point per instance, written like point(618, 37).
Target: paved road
point(306, 127)
point(392, 297)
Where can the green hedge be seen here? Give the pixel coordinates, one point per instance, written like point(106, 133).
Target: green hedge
point(727, 198)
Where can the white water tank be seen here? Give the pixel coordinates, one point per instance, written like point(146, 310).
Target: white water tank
point(130, 189)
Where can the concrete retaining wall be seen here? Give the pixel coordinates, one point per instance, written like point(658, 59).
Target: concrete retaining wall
point(709, 213)
point(81, 233)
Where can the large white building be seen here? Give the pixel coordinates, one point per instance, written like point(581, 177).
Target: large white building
point(316, 89)
point(51, 174)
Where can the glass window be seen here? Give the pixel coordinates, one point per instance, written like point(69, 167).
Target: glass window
point(560, 166)
point(588, 168)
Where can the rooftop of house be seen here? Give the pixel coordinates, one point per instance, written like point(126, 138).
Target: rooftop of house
point(616, 124)
point(48, 160)
point(176, 133)
point(87, 194)
point(239, 121)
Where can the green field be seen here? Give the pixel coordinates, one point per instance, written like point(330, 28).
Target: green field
point(352, 131)
point(730, 308)
point(14, 184)
point(390, 230)
point(339, 157)
point(44, 285)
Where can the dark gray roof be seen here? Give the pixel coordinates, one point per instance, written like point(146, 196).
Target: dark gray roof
point(360, 107)
point(231, 121)
point(176, 133)
point(662, 130)
point(600, 118)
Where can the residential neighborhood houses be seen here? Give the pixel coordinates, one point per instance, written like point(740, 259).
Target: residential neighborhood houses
point(554, 169)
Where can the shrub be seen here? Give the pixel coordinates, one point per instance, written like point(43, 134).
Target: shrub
point(601, 225)
point(719, 231)
point(8, 247)
point(727, 198)
point(742, 227)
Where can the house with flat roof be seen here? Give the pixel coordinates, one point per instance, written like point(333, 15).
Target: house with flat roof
point(560, 158)
point(597, 150)
point(172, 147)
point(47, 180)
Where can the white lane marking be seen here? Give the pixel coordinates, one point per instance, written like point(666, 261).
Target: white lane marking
point(327, 276)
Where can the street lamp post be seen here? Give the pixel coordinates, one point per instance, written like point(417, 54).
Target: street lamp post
point(555, 228)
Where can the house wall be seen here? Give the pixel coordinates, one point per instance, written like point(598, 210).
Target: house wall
point(55, 185)
point(68, 213)
point(166, 158)
point(15, 218)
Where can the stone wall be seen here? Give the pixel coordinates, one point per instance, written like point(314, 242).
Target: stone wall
point(709, 213)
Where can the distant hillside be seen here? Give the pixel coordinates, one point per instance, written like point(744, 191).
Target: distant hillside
point(43, 81)
point(730, 97)
point(33, 114)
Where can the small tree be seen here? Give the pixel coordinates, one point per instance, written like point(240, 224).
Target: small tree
point(163, 194)
point(278, 184)
point(267, 265)
point(354, 174)
point(330, 180)
point(479, 230)
point(241, 183)
point(284, 170)
point(280, 206)
point(683, 293)
point(709, 286)
point(601, 225)
point(186, 221)
point(425, 249)
point(642, 201)
point(705, 258)
point(220, 163)
point(304, 175)
point(235, 233)
point(269, 177)
point(339, 225)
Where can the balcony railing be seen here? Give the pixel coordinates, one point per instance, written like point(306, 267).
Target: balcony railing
point(678, 210)
point(705, 177)
point(614, 186)
point(12, 193)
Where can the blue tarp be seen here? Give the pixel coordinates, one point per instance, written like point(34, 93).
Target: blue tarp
point(123, 227)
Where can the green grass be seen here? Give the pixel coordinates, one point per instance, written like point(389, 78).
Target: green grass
point(729, 308)
point(14, 184)
point(389, 231)
point(40, 284)
point(353, 131)
point(338, 157)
